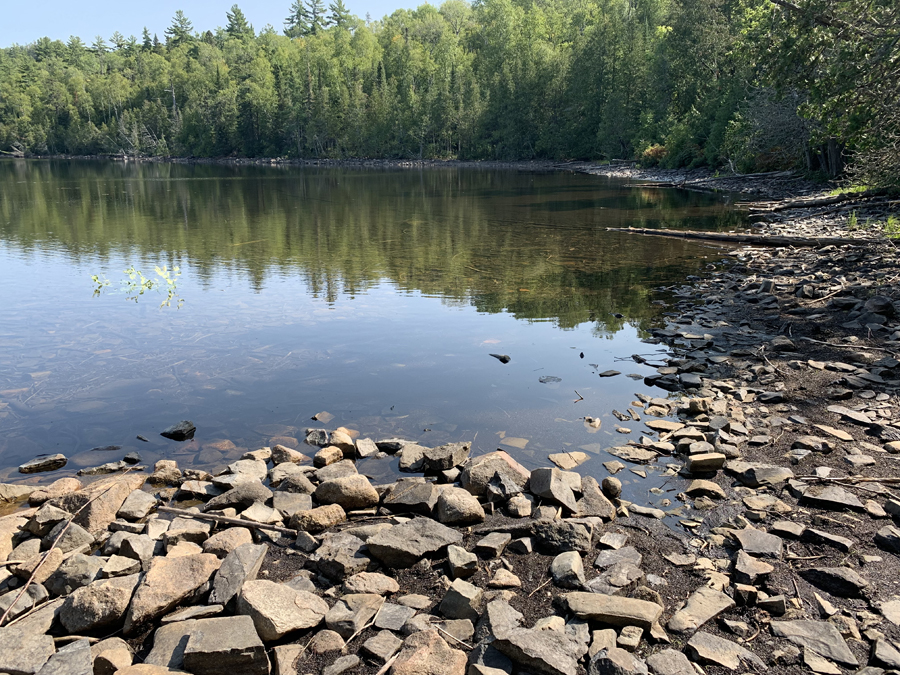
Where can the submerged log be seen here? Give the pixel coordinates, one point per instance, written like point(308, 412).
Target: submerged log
point(758, 239)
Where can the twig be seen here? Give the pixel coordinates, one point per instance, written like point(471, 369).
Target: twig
point(224, 519)
point(863, 348)
point(387, 666)
point(580, 397)
point(539, 587)
point(755, 635)
point(371, 623)
point(6, 563)
point(467, 646)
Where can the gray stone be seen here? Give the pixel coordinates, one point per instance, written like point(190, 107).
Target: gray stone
point(23, 652)
point(493, 545)
point(14, 605)
point(462, 601)
point(296, 483)
point(821, 637)
point(102, 603)
point(885, 654)
point(545, 652)
point(613, 610)
point(567, 570)
point(626, 554)
point(705, 604)
point(79, 570)
point(238, 567)
point(393, 617)
point(342, 665)
point(670, 662)
point(224, 542)
point(243, 496)
point(888, 538)
point(410, 496)
point(182, 431)
point(351, 492)
point(352, 612)
point(706, 648)
point(822, 538)
point(74, 537)
point(559, 536)
point(748, 569)
point(382, 646)
point(758, 543)
point(593, 501)
point(137, 505)
point(412, 457)
point(616, 661)
point(46, 519)
point(840, 581)
point(72, 659)
point(278, 609)
point(550, 484)
point(41, 464)
point(478, 472)
point(225, 645)
point(169, 642)
point(446, 457)
point(341, 555)
point(618, 579)
point(831, 497)
point(759, 475)
point(406, 544)
point(462, 563)
point(290, 503)
point(457, 506)
point(140, 547)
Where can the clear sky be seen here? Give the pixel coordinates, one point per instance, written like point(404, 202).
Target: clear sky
point(24, 21)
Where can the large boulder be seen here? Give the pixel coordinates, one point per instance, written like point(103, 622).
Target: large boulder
point(99, 502)
point(478, 472)
point(426, 653)
point(225, 645)
point(278, 609)
point(351, 492)
point(458, 507)
point(240, 566)
point(99, 604)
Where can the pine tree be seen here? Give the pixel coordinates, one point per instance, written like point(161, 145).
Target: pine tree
point(238, 27)
point(307, 18)
point(118, 40)
point(181, 29)
point(146, 40)
point(339, 15)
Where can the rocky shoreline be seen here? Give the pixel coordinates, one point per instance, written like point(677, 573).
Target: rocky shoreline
point(778, 402)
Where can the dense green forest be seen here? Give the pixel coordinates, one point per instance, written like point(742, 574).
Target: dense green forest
point(744, 85)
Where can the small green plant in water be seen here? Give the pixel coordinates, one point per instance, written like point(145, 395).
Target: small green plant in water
point(136, 284)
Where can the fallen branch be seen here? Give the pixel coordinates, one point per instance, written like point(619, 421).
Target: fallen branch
point(387, 666)
point(539, 587)
point(858, 347)
point(229, 521)
point(368, 625)
point(761, 240)
point(452, 637)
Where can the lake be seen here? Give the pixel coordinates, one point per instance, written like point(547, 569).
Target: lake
point(375, 296)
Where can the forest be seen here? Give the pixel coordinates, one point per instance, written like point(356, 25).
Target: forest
point(733, 85)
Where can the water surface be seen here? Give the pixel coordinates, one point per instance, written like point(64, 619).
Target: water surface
point(376, 296)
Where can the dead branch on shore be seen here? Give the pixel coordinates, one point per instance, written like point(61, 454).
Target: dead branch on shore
point(760, 240)
point(229, 521)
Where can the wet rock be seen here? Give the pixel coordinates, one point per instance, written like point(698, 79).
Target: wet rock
point(100, 604)
point(22, 652)
point(820, 636)
point(238, 567)
point(167, 583)
point(426, 652)
point(616, 661)
point(613, 610)
point(704, 605)
point(458, 506)
point(13, 493)
point(567, 570)
point(840, 581)
point(351, 492)
point(406, 544)
point(42, 464)
point(352, 612)
point(341, 555)
point(478, 472)
point(183, 431)
point(225, 645)
point(612, 487)
point(709, 649)
point(278, 609)
point(462, 563)
point(319, 519)
point(462, 601)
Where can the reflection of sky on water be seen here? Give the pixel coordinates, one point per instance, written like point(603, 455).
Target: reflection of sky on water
point(405, 353)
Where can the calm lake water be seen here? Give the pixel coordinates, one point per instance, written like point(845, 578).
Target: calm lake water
point(376, 296)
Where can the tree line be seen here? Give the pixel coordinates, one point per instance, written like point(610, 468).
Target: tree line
point(746, 85)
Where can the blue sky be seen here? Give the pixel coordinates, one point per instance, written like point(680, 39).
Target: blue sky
point(24, 22)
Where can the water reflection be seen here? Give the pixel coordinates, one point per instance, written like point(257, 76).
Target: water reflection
point(375, 295)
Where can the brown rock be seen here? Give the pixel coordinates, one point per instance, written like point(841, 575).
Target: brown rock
point(426, 653)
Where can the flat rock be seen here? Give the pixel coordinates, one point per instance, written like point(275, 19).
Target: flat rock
point(42, 464)
point(840, 581)
point(759, 543)
point(820, 636)
point(427, 653)
point(888, 538)
point(352, 612)
point(238, 567)
point(759, 475)
point(616, 661)
point(169, 642)
point(748, 569)
point(831, 497)
point(593, 501)
point(371, 582)
point(224, 542)
point(10, 492)
point(462, 601)
point(625, 554)
point(544, 652)
point(341, 555)
point(225, 645)
point(241, 496)
point(704, 605)
point(167, 583)
point(670, 662)
point(23, 652)
point(393, 617)
point(382, 646)
point(613, 610)
point(183, 431)
point(100, 604)
point(406, 544)
point(71, 659)
point(706, 648)
point(278, 609)
point(411, 496)
point(559, 536)
point(568, 460)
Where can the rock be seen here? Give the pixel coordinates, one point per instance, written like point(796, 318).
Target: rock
point(568, 460)
point(703, 605)
point(342, 665)
point(187, 530)
point(670, 662)
point(14, 605)
point(282, 455)
point(406, 544)
point(446, 457)
point(10, 492)
point(613, 610)
point(58, 488)
point(888, 538)
point(759, 475)
point(626, 554)
point(547, 652)
point(758, 543)
point(382, 646)
point(45, 463)
point(820, 636)
point(100, 604)
point(139, 547)
point(426, 653)
point(238, 567)
point(478, 472)
point(885, 654)
point(241, 496)
point(707, 648)
point(705, 488)
point(831, 497)
point(225, 645)
point(224, 542)
point(458, 506)
point(165, 473)
point(120, 566)
point(412, 457)
point(616, 661)
point(167, 583)
point(289, 504)
point(822, 538)
point(520, 506)
point(147, 669)
point(612, 487)
point(559, 536)
point(371, 582)
point(747, 568)
point(352, 612)
point(183, 431)
point(840, 581)
point(110, 655)
point(493, 545)
point(567, 570)
point(351, 492)
point(705, 462)
point(618, 579)
point(462, 563)
point(169, 642)
point(411, 496)
point(278, 609)
point(341, 555)
point(319, 519)
point(98, 503)
point(72, 659)
point(46, 518)
point(296, 483)
point(68, 537)
point(393, 617)
point(78, 571)
point(23, 652)
point(551, 484)
point(39, 568)
point(503, 578)
point(462, 601)
point(593, 501)
point(326, 641)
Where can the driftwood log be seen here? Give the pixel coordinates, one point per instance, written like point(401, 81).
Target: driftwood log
point(757, 239)
point(230, 521)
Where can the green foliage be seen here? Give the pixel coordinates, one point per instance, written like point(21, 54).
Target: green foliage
point(136, 284)
point(892, 227)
